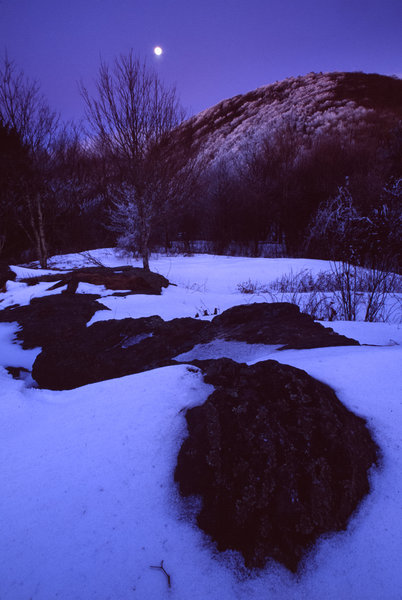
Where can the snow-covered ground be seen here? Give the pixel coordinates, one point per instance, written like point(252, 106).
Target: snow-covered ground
point(88, 503)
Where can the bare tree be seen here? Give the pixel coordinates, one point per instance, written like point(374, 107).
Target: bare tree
point(364, 251)
point(24, 110)
point(129, 117)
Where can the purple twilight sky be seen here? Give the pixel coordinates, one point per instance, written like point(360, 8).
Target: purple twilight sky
point(213, 49)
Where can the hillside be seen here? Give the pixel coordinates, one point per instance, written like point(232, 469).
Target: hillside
point(270, 158)
point(315, 104)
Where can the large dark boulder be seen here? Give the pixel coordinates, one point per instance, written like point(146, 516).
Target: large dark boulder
point(276, 458)
point(276, 323)
point(59, 319)
point(112, 348)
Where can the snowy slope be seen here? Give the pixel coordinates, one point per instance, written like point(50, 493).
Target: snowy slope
point(313, 104)
point(88, 502)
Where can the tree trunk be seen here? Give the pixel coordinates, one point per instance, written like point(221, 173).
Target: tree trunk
point(145, 260)
point(38, 229)
point(145, 235)
point(42, 238)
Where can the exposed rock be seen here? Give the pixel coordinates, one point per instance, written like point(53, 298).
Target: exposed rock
point(53, 319)
point(109, 349)
point(277, 459)
point(18, 372)
point(102, 351)
point(276, 323)
point(74, 354)
point(134, 279)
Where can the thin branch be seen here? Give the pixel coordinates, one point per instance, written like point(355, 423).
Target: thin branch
point(162, 568)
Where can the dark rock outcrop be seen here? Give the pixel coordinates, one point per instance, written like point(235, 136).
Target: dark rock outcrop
point(57, 319)
point(277, 459)
point(109, 349)
point(113, 348)
point(276, 323)
point(17, 372)
point(134, 279)
point(74, 354)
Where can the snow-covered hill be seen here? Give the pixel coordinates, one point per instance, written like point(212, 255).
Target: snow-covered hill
point(351, 104)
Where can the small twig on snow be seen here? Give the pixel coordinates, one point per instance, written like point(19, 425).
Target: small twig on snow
point(162, 568)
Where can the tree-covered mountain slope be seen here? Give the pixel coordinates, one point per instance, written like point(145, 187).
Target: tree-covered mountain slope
point(317, 104)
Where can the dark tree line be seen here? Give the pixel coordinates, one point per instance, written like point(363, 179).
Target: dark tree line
point(64, 189)
point(49, 184)
point(273, 192)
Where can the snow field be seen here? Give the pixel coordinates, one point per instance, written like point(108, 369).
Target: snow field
point(88, 501)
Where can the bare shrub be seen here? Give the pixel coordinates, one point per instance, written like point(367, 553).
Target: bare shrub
point(347, 292)
point(252, 287)
point(367, 290)
point(304, 281)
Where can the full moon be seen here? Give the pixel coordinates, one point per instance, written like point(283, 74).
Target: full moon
point(158, 50)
